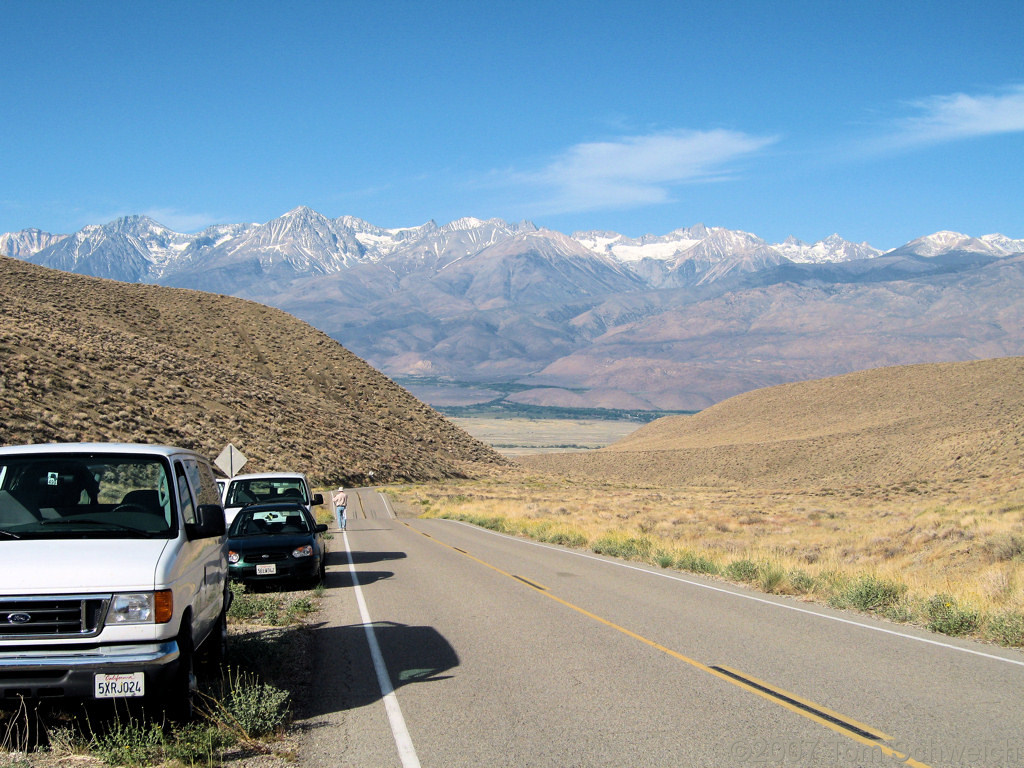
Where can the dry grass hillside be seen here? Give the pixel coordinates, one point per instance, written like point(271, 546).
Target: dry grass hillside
point(88, 359)
point(938, 423)
point(896, 491)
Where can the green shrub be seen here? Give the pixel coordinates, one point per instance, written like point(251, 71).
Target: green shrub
point(129, 742)
point(249, 707)
point(691, 561)
point(801, 582)
point(491, 522)
point(626, 547)
point(1006, 629)
point(741, 570)
point(945, 615)
point(247, 606)
point(664, 559)
point(870, 594)
point(770, 577)
point(197, 744)
point(299, 608)
point(271, 608)
point(566, 537)
point(901, 612)
point(64, 740)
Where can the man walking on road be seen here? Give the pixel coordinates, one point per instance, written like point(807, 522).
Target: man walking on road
point(340, 499)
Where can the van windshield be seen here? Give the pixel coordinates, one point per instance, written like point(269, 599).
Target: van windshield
point(75, 496)
point(260, 489)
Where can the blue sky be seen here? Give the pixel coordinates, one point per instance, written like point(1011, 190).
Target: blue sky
point(880, 121)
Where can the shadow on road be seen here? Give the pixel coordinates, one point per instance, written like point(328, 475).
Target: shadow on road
point(344, 579)
point(361, 558)
point(346, 678)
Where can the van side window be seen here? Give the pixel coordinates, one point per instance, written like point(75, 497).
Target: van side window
point(202, 479)
point(188, 506)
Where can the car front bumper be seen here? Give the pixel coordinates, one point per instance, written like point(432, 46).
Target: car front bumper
point(60, 672)
point(306, 568)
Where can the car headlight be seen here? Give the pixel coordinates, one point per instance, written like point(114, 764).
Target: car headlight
point(306, 551)
point(141, 607)
point(233, 557)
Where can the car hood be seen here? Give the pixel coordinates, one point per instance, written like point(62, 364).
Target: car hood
point(48, 566)
point(231, 512)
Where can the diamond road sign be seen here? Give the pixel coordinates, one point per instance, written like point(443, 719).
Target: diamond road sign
point(230, 460)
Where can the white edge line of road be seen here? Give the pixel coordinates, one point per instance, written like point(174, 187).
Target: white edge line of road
point(387, 505)
point(671, 577)
point(403, 741)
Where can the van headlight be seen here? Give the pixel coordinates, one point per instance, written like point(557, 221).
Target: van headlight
point(141, 607)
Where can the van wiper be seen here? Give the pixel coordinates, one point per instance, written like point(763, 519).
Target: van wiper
point(8, 534)
point(104, 524)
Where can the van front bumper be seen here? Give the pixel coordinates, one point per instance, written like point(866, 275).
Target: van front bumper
point(61, 672)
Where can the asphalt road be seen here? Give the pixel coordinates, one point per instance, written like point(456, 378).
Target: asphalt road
point(503, 652)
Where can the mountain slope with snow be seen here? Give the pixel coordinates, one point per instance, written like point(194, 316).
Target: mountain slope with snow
point(23, 244)
point(304, 243)
point(675, 321)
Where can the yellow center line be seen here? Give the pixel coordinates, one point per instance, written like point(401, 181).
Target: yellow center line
point(808, 703)
point(769, 693)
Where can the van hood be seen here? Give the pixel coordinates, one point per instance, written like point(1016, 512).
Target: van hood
point(49, 566)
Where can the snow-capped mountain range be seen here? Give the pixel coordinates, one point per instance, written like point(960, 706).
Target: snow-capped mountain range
point(675, 321)
point(303, 242)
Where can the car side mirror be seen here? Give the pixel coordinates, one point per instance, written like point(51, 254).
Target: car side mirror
point(320, 528)
point(318, 498)
point(209, 522)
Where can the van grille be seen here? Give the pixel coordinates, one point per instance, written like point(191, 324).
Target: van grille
point(52, 617)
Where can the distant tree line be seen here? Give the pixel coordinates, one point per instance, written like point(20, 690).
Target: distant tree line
point(501, 409)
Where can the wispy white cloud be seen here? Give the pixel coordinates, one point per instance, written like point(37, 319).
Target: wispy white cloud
point(941, 119)
point(634, 171)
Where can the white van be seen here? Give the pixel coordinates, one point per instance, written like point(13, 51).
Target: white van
point(114, 572)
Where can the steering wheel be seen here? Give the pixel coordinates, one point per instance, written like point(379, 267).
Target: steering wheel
point(129, 507)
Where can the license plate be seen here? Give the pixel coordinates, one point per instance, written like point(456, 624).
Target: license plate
point(115, 686)
point(266, 569)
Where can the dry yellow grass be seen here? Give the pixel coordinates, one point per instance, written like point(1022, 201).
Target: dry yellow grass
point(904, 478)
point(969, 545)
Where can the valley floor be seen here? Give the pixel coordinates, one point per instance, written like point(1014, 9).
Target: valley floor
point(521, 436)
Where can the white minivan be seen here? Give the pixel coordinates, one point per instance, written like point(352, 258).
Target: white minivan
point(114, 572)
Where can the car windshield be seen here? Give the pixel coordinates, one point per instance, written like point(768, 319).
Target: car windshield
point(72, 496)
point(260, 489)
point(262, 522)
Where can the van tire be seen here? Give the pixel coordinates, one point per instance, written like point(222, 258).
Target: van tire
point(179, 702)
point(216, 646)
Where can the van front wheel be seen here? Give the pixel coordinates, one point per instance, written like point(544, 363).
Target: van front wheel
point(215, 648)
point(179, 701)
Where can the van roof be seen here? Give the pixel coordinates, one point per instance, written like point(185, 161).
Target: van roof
point(267, 476)
point(138, 448)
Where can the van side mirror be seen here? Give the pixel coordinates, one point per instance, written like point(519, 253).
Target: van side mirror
point(318, 498)
point(209, 522)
